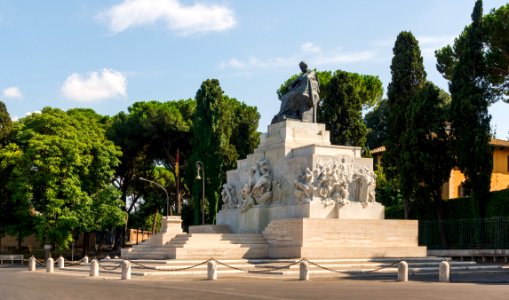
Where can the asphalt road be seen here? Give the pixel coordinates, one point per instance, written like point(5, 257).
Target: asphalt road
point(17, 283)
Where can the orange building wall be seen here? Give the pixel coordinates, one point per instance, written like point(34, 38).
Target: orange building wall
point(499, 177)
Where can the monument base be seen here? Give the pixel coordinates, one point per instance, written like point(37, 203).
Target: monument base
point(256, 219)
point(341, 238)
point(170, 227)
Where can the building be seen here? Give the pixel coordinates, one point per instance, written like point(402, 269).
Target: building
point(453, 188)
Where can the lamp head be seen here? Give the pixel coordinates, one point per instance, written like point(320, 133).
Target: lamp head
point(198, 177)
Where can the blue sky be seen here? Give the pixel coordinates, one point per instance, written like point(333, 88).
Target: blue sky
point(109, 54)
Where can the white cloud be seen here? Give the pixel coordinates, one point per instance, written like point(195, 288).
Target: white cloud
point(429, 40)
point(95, 86)
point(309, 52)
point(310, 47)
point(184, 19)
point(12, 92)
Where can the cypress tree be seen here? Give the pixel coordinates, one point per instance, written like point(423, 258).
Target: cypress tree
point(207, 135)
point(408, 77)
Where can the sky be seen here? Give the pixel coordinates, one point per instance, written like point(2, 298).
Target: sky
point(108, 54)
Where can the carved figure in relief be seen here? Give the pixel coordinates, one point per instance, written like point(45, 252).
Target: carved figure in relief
point(304, 188)
point(262, 189)
point(228, 196)
point(258, 189)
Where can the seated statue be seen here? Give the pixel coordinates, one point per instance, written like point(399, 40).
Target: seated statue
point(301, 99)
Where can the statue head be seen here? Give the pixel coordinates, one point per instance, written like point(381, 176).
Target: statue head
point(303, 67)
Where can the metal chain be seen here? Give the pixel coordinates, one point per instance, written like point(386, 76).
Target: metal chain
point(110, 268)
point(272, 268)
point(172, 270)
point(345, 271)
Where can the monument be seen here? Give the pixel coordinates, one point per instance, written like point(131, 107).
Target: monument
point(295, 196)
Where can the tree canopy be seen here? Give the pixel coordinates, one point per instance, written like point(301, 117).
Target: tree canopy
point(61, 166)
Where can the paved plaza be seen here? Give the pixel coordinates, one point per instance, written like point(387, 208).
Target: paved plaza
point(17, 283)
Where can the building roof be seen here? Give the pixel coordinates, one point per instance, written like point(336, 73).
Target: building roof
point(499, 143)
point(494, 142)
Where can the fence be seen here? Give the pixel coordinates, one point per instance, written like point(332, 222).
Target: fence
point(492, 233)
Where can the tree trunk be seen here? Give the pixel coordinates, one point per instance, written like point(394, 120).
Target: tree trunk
point(154, 222)
point(440, 218)
point(86, 241)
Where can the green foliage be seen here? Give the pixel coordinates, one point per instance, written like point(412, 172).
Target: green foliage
point(426, 159)
point(496, 28)
point(470, 120)
point(490, 34)
point(60, 166)
point(208, 137)
point(341, 110)
point(5, 124)
point(376, 124)
point(408, 77)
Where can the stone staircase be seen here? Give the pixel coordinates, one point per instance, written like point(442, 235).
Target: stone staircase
point(202, 246)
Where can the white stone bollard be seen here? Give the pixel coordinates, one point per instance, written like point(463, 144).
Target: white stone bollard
point(107, 257)
point(304, 270)
point(444, 272)
point(211, 270)
point(32, 264)
point(50, 265)
point(403, 271)
point(60, 262)
point(85, 259)
point(94, 268)
point(126, 270)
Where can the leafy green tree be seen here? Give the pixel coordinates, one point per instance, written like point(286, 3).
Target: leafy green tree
point(496, 28)
point(61, 164)
point(493, 31)
point(5, 207)
point(471, 96)
point(5, 124)
point(427, 159)
point(376, 124)
point(207, 140)
point(341, 109)
point(408, 77)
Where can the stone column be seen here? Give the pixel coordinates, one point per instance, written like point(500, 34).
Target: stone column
point(126, 270)
point(32, 264)
point(211, 270)
point(304, 270)
point(444, 272)
point(50, 265)
point(403, 271)
point(94, 268)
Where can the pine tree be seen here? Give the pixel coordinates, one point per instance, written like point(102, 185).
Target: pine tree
point(470, 120)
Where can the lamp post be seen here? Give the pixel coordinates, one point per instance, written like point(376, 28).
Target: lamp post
point(167, 197)
point(201, 166)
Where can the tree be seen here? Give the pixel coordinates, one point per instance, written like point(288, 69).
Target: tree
point(207, 139)
point(5, 124)
point(427, 157)
point(5, 207)
point(494, 28)
point(471, 96)
point(376, 124)
point(408, 77)
point(61, 164)
point(341, 109)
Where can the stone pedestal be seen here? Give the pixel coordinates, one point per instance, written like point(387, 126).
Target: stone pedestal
point(170, 227)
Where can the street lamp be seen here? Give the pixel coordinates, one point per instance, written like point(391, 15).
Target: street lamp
point(201, 166)
point(162, 187)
